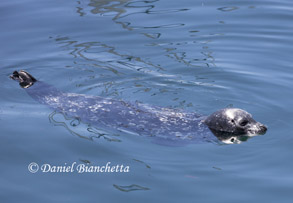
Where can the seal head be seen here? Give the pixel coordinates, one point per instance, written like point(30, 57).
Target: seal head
point(24, 78)
point(234, 121)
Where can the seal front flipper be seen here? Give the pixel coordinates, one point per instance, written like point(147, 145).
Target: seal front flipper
point(25, 79)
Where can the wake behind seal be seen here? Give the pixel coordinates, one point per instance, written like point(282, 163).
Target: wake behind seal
point(166, 126)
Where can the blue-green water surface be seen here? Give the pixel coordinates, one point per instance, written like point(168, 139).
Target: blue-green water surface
point(198, 56)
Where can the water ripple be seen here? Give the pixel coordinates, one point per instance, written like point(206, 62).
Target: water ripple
point(130, 188)
point(77, 128)
point(175, 25)
point(227, 9)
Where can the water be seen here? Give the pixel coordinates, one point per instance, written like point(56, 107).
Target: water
point(194, 55)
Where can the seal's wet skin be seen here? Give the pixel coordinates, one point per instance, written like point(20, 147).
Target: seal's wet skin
point(165, 126)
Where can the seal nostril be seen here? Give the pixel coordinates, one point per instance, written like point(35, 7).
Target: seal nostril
point(263, 128)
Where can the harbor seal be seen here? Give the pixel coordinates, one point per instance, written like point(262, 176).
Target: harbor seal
point(166, 126)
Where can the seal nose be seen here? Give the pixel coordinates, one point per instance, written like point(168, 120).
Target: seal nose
point(263, 128)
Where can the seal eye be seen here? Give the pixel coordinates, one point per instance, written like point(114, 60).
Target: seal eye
point(243, 123)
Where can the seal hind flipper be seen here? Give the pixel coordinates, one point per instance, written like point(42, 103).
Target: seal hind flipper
point(25, 79)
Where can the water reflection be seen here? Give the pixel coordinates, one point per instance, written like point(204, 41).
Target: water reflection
point(142, 18)
point(93, 55)
point(125, 8)
point(82, 130)
point(108, 6)
point(130, 188)
point(90, 56)
point(146, 165)
point(227, 9)
point(80, 9)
